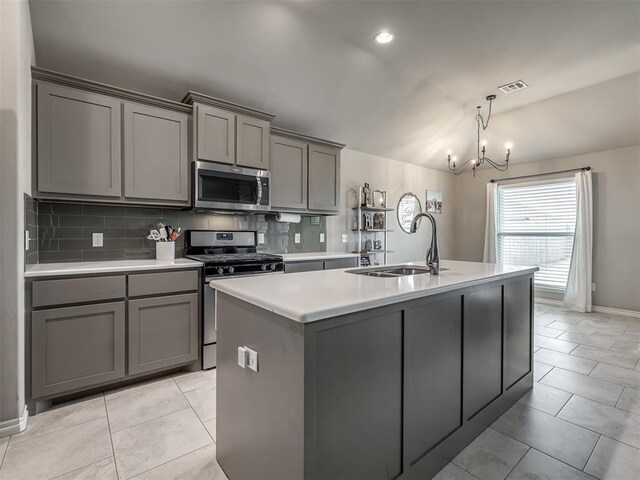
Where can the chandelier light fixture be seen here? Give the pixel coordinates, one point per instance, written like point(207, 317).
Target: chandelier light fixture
point(481, 154)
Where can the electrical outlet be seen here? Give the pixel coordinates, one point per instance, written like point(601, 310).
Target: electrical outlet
point(296, 238)
point(26, 240)
point(345, 238)
point(260, 238)
point(252, 359)
point(322, 238)
point(96, 239)
point(593, 287)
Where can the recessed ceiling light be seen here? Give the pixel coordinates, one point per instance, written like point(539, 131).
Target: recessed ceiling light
point(383, 37)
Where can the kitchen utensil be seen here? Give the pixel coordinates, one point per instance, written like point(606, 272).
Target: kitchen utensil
point(154, 235)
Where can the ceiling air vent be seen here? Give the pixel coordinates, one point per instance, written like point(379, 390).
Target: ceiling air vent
point(513, 86)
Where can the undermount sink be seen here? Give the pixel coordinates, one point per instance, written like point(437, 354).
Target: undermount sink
point(393, 271)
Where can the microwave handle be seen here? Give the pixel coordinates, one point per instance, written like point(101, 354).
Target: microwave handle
point(259, 191)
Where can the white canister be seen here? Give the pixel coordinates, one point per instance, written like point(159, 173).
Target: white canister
point(165, 251)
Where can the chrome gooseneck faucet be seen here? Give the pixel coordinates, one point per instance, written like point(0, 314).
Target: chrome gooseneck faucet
point(433, 255)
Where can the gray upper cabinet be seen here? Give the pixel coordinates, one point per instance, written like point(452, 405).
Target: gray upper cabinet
point(77, 347)
point(163, 332)
point(79, 140)
point(288, 173)
point(216, 133)
point(252, 142)
point(324, 178)
point(155, 153)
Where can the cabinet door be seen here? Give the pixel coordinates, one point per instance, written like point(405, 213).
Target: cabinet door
point(517, 319)
point(163, 332)
point(155, 154)
point(309, 266)
point(77, 347)
point(433, 375)
point(288, 173)
point(79, 138)
point(252, 142)
point(216, 134)
point(482, 349)
point(358, 392)
point(324, 178)
point(340, 263)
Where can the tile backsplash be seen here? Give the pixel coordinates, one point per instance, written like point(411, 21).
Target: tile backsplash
point(64, 230)
point(31, 226)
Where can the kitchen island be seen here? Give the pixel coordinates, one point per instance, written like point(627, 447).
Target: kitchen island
point(366, 377)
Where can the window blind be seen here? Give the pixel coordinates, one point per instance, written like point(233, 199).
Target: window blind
point(536, 226)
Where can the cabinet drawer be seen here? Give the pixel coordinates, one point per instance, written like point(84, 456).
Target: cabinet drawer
point(165, 282)
point(77, 347)
point(163, 332)
point(341, 263)
point(303, 266)
point(77, 290)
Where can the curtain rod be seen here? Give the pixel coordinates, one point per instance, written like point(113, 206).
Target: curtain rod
point(579, 169)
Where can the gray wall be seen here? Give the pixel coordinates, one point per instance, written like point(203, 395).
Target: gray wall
point(16, 56)
point(397, 178)
point(65, 231)
point(616, 257)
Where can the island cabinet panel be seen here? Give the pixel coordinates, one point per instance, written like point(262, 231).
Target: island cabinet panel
point(77, 347)
point(163, 332)
point(324, 178)
point(216, 134)
point(155, 153)
point(517, 319)
point(358, 399)
point(288, 173)
point(307, 266)
point(432, 393)
point(252, 142)
point(482, 348)
point(79, 139)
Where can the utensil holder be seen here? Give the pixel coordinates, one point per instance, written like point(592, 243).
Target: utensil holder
point(165, 251)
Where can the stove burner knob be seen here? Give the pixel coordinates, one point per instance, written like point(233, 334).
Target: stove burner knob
point(230, 269)
point(273, 266)
point(220, 270)
point(263, 266)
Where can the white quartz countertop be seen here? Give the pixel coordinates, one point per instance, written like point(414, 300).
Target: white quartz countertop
point(309, 256)
point(82, 268)
point(310, 296)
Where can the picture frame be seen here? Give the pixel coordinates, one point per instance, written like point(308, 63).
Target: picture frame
point(433, 201)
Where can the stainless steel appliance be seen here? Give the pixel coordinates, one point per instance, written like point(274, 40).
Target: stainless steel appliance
point(227, 187)
point(225, 255)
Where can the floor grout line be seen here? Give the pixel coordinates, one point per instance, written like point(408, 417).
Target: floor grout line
point(592, 452)
point(115, 463)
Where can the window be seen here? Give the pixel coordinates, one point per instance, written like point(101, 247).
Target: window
point(536, 226)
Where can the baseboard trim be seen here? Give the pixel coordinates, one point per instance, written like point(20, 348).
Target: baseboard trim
point(15, 425)
point(595, 308)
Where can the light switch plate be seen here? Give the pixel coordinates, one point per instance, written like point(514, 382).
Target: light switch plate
point(252, 359)
point(26, 240)
point(322, 238)
point(260, 238)
point(345, 238)
point(96, 239)
point(296, 238)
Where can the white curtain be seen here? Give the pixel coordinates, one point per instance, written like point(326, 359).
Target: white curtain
point(490, 232)
point(578, 294)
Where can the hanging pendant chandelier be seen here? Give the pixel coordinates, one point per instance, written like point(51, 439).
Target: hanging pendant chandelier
point(481, 154)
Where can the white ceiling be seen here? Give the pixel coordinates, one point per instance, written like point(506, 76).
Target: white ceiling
point(314, 64)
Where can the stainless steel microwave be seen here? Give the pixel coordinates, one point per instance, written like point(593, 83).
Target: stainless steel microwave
point(227, 187)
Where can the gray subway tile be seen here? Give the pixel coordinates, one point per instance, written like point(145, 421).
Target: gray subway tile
point(66, 208)
point(81, 221)
point(74, 244)
point(125, 222)
point(87, 232)
point(123, 243)
point(142, 254)
point(60, 232)
point(55, 257)
point(100, 255)
point(46, 220)
point(48, 245)
point(103, 210)
point(134, 211)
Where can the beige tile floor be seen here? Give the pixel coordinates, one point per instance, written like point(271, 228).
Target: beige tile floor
point(581, 420)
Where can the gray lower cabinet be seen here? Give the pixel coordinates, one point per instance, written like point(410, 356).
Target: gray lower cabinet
point(288, 173)
point(163, 332)
point(482, 348)
point(77, 347)
point(335, 263)
point(308, 266)
point(155, 154)
point(518, 328)
point(324, 178)
point(216, 133)
point(432, 394)
point(252, 142)
point(358, 393)
point(79, 142)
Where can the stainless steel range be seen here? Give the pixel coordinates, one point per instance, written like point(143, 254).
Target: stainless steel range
point(225, 255)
